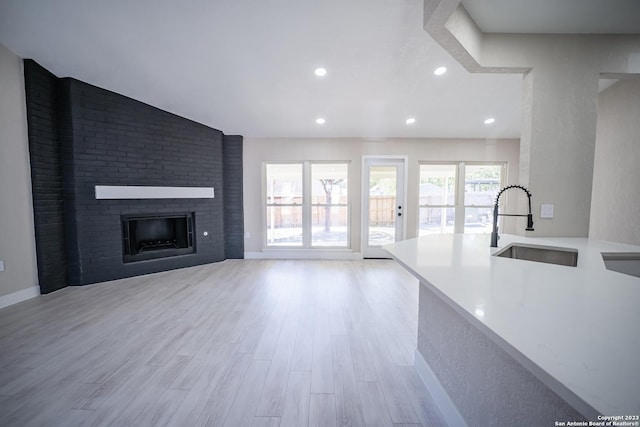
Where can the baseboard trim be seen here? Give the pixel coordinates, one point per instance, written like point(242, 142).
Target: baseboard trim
point(304, 254)
point(16, 297)
point(440, 396)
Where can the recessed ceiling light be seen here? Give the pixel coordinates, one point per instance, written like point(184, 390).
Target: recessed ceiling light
point(320, 121)
point(320, 72)
point(410, 121)
point(489, 121)
point(440, 71)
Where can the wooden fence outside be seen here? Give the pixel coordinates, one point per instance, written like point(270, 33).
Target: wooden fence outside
point(382, 211)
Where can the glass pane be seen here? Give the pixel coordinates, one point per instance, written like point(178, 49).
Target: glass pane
point(436, 220)
point(437, 185)
point(382, 205)
point(329, 225)
point(284, 184)
point(481, 184)
point(284, 226)
point(478, 220)
point(329, 183)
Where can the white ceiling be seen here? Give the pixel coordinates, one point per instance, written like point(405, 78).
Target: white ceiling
point(556, 16)
point(246, 67)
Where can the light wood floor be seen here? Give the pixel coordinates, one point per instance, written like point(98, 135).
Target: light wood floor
point(237, 343)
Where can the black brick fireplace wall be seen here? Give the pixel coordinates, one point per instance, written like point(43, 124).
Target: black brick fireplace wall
point(46, 176)
point(104, 138)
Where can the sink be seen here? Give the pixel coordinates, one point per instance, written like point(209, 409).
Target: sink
point(622, 262)
point(538, 253)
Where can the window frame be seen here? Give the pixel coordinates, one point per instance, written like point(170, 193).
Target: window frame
point(459, 205)
point(501, 184)
point(307, 206)
point(266, 205)
point(456, 193)
point(343, 205)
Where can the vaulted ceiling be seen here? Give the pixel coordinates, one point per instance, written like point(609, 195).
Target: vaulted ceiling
point(247, 67)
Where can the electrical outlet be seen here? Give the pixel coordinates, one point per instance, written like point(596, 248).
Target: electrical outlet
point(247, 235)
point(546, 211)
point(1, 265)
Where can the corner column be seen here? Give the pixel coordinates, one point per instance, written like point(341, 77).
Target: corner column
point(557, 146)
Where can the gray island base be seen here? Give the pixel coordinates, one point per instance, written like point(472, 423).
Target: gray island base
point(510, 342)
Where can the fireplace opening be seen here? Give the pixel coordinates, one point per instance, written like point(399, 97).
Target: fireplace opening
point(157, 236)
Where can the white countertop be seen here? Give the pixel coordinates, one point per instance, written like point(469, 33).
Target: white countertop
point(574, 327)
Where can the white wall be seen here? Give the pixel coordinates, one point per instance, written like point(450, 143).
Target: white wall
point(559, 120)
point(615, 202)
point(559, 102)
point(258, 150)
point(19, 279)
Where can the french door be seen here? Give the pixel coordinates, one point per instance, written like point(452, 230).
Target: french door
point(383, 203)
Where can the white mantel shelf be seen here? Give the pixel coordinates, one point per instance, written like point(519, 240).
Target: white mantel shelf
point(574, 326)
point(125, 192)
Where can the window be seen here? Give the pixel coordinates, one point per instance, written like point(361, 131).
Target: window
point(307, 205)
point(437, 198)
point(481, 186)
point(284, 204)
point(448, 204)
point(329, 204)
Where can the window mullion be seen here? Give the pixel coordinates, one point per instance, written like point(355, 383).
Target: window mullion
point(458, 225)
point(306, 205)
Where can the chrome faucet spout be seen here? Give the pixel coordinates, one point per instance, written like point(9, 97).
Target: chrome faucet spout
point(496, 214)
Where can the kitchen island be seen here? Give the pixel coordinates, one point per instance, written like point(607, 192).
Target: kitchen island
point(512, 342)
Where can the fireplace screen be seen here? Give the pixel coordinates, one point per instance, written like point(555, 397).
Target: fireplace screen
point(156, 236)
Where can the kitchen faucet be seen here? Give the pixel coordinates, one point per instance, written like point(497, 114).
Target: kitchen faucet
point(494, 234)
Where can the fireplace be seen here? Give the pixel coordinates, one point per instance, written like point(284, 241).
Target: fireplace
point(146, 237)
